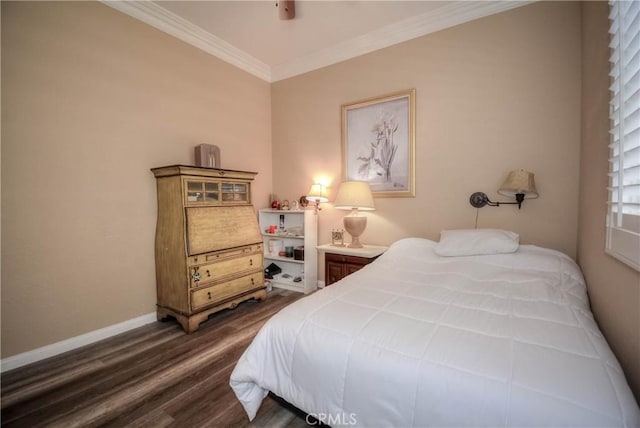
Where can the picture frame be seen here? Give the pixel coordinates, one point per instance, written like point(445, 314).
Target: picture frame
point(378, 143)
point(337, 237)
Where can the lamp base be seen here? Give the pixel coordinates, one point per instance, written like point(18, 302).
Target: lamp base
point(355, 243)
point(355, 225)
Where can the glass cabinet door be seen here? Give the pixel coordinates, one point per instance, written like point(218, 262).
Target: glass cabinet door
point(202, 192)
point(195, 191)
point(235, 192)
point(211, 191)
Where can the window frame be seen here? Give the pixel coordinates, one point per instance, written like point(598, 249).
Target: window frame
point(623, 210)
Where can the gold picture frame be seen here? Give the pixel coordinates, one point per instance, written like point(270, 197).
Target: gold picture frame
point(378, 143)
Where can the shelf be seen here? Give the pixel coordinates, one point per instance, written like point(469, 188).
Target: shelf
point(269, 210)
point(297, 228)
point(287, 283)
point(275, 235)
point(280, 279)
point(282, 259)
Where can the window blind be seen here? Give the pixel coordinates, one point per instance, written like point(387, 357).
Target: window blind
point(623, 217)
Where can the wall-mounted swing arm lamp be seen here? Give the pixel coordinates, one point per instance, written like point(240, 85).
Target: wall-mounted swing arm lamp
point(317, 194)
point(519, 185)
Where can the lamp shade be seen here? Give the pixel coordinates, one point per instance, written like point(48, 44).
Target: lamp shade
point(317, 193)
point(354, 194)
point(519, 182)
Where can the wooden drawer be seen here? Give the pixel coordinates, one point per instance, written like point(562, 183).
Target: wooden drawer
point(222, 255)
point(218, 292)
point(220, 269)
point(337, 266)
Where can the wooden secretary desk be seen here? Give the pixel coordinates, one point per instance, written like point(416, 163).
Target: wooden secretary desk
point(208, 247)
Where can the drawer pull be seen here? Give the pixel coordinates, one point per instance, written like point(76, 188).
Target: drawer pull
point(195, 260)
point(208, 274)
point(250, 262)
point(252, 281)
point(209, 294)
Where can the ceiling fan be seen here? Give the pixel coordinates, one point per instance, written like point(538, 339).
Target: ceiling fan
point(286, 9)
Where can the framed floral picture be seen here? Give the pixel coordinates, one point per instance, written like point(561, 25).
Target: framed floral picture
point(378, 143)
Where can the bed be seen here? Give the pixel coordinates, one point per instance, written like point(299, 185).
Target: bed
point(419, 339)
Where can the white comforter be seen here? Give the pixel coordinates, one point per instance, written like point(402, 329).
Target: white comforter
point(415, 339)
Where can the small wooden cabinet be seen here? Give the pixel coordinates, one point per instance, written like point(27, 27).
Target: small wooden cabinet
point(342, 261)
point(337, 266)
point(209, 251)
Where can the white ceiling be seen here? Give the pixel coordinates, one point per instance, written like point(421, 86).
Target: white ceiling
point(254, 26)
point(250, 35)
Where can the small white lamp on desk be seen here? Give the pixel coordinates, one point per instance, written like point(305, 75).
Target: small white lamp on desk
point(355, 196)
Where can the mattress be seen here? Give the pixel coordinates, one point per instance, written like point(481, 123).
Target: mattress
point(415, 339)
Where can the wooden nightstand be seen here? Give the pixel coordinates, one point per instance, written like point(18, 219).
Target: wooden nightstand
point(342, 261)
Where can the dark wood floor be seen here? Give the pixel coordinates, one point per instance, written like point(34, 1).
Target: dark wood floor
point(153, 376)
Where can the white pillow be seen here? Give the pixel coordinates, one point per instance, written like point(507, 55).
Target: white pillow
point(472, 242)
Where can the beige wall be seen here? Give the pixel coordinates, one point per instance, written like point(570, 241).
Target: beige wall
point(492, 95)
point(91, 99)
point(614, 288)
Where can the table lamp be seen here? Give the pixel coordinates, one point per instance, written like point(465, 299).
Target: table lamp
point(355, 196)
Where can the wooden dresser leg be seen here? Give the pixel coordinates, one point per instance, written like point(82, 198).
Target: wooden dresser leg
point(161, 314)
point(193, 324)
point(185, 322)
point(261, 296)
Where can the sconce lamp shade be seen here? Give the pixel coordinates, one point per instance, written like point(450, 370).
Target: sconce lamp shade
point(519, 182)
point(518, 185)
point(317, 193)
point(354, 194)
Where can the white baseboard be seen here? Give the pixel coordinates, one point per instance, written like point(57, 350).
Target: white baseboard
point(38, 354)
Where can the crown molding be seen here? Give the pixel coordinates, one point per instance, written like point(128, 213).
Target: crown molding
point(453, 13)
point(167, 21)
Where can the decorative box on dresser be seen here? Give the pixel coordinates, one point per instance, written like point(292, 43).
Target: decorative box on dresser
point(208, 246)
point(342, 261)
point(294, 228)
